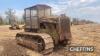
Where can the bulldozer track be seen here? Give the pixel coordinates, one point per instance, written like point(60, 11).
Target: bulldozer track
point(48, 41)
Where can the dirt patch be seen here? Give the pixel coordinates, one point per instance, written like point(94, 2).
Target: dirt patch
point(10, 48)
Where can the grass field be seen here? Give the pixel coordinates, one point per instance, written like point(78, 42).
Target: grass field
point(82, 35)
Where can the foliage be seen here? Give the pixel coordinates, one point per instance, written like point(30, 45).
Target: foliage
point(1, 20)
point(10, 15)
point(77, 21)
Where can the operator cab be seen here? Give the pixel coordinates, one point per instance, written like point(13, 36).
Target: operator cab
point(38, 10)
point(34, 14)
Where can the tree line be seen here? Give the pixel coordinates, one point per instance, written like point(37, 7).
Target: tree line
point(77, 21)
point(10, 14)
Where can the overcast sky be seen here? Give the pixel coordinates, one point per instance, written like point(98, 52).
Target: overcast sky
point(84, 9)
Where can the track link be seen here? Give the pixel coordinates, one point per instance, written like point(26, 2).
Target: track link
point(48, 41)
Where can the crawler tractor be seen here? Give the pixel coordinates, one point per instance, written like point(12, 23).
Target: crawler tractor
point(43, 31)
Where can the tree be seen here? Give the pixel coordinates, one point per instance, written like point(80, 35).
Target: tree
point(1, 20)
point(10, 15)
point(23, 19)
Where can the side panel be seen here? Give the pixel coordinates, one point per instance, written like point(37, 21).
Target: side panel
point(35, 22)
point(64, 28)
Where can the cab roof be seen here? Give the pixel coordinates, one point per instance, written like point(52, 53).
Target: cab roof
point(39, 6)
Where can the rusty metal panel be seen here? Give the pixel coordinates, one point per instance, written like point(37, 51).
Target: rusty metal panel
point(64, 28)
